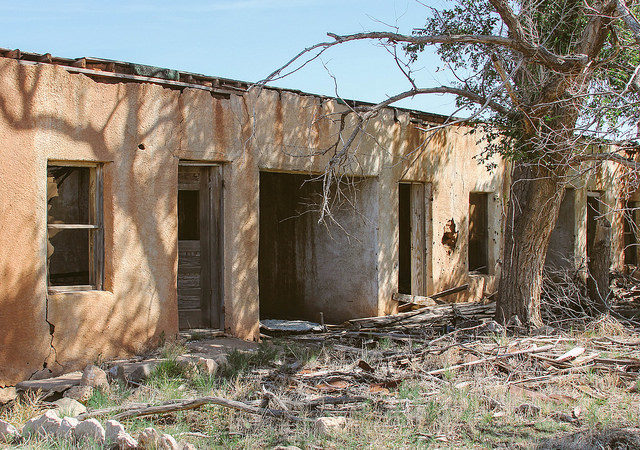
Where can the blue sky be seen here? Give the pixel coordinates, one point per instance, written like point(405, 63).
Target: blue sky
point(242, 39)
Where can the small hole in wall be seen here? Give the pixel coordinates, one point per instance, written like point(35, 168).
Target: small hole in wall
point(141, 146)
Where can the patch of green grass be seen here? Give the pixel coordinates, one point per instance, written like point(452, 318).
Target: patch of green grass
point(169, 368)
point(239, 362)
point(172, 349)
point(99, 399)
point(409, 390)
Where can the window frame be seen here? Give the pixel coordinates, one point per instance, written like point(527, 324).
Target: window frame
point(95, 227)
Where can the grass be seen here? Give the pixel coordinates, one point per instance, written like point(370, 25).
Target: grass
point(465, 408)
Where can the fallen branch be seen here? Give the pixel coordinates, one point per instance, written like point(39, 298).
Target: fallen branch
point(182, 405)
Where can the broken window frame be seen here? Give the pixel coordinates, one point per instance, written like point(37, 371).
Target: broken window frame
point(95, 228)
point(482, 236)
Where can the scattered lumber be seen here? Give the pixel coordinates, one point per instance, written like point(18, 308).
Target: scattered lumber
point(430, 300)
point(430, 314)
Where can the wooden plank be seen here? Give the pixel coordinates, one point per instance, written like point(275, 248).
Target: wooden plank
point(430, 300)
point(205, 242)
point(188, 280)
point(462, 287)
point(417, 240)
point(189, 318)
point(68, 226)
point(414, 299)
point(189, 298)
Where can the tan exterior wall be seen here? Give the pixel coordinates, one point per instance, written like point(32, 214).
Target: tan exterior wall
point(49, 114)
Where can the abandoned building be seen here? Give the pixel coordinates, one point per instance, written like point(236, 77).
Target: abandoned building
point(135, 201)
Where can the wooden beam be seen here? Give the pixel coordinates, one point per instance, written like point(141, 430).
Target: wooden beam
point(431, 300)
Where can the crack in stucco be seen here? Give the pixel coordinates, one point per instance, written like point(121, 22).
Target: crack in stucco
point(52, 351)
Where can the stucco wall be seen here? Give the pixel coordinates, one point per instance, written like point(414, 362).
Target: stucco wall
point(139, 132)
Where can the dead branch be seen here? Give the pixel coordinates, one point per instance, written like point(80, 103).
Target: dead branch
point(182, 405)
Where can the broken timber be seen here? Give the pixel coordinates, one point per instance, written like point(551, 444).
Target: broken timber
point(430, 300)
point(429, 314)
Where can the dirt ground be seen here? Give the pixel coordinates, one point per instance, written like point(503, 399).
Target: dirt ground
point(475, 385)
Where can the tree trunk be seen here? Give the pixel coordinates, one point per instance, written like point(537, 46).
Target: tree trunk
point(534, 203)
point(599, 264)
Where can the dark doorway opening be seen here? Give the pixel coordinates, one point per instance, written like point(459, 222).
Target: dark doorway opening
point(306, 267)
point(404, 238)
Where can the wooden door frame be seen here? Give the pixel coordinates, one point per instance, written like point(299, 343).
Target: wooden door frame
point(211, 240)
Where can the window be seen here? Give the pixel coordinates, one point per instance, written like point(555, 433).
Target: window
point(478, 232)
point(74, 227)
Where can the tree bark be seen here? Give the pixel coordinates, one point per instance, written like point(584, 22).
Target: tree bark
point(534, 203)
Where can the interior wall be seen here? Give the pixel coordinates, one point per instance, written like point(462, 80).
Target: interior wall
point(306, 267)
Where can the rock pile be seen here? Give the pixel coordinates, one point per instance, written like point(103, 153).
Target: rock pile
point(112, 435)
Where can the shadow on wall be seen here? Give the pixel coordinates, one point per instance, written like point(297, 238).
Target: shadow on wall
point(139, 211)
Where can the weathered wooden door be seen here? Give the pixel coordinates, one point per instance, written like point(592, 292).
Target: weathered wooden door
point(199, 206)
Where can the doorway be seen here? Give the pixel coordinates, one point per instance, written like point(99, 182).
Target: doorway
point(199, 246)
point(307, 267)
point(414, 238)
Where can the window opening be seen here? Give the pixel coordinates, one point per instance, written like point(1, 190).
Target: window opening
point(74, 227)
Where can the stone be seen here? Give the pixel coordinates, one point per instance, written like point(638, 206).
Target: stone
point(112, 428)
point(221, 360)
point(95, 377)
point(117, 373)
point(56, 384)
point(125, 441)
point(168, 442)
point(89, 429)
point(329, 424)
point(208, 365)
point(45, 424)
point(149, 438)
point(116, 435)
point(141, 372)
point(188, 446)
point(69, 407)
point(8, 433)
point(8, 394)
point(81, 394)
point(66, 428)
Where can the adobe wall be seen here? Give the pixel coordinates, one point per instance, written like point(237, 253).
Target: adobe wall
point(140, 132)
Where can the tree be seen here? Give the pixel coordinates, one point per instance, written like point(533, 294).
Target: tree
point(555, 83)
